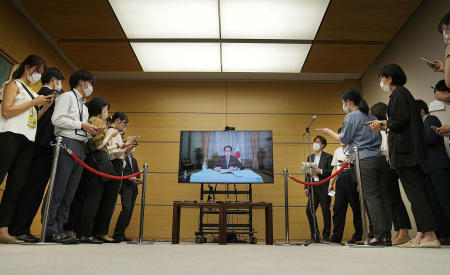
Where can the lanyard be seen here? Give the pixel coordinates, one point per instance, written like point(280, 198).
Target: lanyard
point(80, 110)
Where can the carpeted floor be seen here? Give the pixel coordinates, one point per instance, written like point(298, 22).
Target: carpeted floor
point(188, 258)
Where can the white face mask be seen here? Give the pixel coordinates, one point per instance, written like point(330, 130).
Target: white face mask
point(345, 108)
point(446, 36)
point(58, 86)
point(316, 147)
point(34, 78)
point(384, 87)
point(88, 91)
point(132, 150)
point(104, 113)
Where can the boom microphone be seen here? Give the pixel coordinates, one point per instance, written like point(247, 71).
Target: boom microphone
point(309, 125)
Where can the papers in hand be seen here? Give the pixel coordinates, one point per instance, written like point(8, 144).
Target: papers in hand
point(308, 166)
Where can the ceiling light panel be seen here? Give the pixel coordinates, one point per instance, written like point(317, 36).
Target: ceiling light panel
point(271, 19)
point(178, 57)
point(167, 18)
point(257, 57)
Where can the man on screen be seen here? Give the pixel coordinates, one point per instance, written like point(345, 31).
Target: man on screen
point(228, 161)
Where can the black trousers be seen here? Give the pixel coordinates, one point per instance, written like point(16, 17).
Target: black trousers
point(16, 154)
point(99, 204)
point(128, 194)
point(400, 218)
point(413, 182)
point(320, 197)
point(346, 193)
point(375, 181)
point(438, 193)
point(33, 191)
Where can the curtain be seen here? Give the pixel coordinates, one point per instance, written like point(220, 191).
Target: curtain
point(205, 145)
point(237, 140)
point(254, 144)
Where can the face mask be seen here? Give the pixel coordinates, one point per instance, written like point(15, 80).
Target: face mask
point(345, 108)
point(132, 150)
point(88, 91)
point(34, 78)
point(58, 86)
point(104, 114)
point(316, 147)
point(445, 37)
point(384, 87)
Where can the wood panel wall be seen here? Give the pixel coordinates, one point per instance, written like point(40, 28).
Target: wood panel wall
point(159, 110)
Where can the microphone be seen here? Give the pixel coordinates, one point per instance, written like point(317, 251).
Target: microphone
point(309, 125)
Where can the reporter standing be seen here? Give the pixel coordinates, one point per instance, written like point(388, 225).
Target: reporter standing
point(18, 122)
point(407, 151)
point(70, 119)
point(39, 172)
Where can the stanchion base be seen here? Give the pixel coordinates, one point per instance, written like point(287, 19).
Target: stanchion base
point(289, 244)
point(38, 243)
point(143, 242)
point(364, 246)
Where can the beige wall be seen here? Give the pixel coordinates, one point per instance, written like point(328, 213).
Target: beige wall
point(418, 38)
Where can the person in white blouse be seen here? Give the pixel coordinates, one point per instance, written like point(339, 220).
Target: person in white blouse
point(20, 112)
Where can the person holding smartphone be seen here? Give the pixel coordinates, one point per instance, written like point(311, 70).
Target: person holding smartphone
point(407, 151)
point(39, 172)
point(20, 112)
point(70, 119)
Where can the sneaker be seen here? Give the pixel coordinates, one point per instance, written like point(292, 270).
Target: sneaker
point(62, 239)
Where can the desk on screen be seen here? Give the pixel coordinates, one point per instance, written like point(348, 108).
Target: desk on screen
point(242, 176)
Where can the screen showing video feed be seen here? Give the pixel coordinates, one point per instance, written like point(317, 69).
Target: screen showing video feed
point(226, 157)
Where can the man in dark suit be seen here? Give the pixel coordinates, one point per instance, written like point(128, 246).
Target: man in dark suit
point(323, 170)
point(39, 172)
point(227, 161)
point(128, 194)
point(437, 170)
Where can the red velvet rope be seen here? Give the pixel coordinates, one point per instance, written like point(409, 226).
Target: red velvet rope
point(344, 165)
point(101, 174)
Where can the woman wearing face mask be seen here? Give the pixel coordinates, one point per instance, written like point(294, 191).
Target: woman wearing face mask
point(96, 210)
point(373, 166)
point(323, 169)
point(18, 121)
point(407, 150)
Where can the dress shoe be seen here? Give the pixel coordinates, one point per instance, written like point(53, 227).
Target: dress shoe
point(10, 240)
point(28, 238)
point(89, 240)
point(126, 239)
point(62, 239)
point(354, 241)
point(431, 244)
point(108, 241)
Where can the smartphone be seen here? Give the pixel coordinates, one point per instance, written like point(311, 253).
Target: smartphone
point(433, 127)
point(427, 61)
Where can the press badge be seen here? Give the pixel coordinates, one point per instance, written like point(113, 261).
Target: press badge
point(32, 122)
point(80, 132)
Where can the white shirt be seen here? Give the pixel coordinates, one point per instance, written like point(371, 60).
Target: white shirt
point(316, 162)
point(115, 153)
point(66, 116)
point(19, 124)
point(339, 156)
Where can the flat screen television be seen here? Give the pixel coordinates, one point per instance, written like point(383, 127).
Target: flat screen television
point(226, 157)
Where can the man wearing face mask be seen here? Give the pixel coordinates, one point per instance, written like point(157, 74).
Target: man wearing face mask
point(128, 194)
point(322, 161)
point(70, 119)
point(39, 173)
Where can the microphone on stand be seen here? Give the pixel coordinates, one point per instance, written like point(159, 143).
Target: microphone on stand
point(309, 125)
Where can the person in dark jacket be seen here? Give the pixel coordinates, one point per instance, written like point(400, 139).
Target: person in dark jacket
point(437, 170)
point(128, 194)
point(322, 170)
point(39, 172)
point(228, 161)
point(407, 151)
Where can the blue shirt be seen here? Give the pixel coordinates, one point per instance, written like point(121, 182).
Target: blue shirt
point(354, 133)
